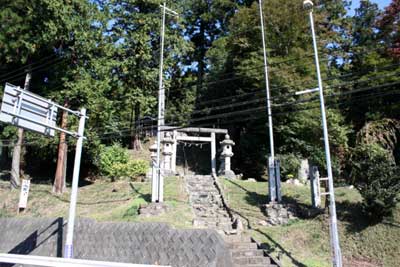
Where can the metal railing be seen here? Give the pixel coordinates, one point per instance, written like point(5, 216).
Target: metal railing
point(62, 262)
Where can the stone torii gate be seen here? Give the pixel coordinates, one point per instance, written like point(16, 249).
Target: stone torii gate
point(169, 140)
point(173, 135)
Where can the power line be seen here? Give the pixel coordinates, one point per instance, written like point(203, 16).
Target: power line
point(340, 94)
point(23, 68)
point(252, 117)
point(353, 74)
point(254, 101)
point(262, 66)
point(34, 69)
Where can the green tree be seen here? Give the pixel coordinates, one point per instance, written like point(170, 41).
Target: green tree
point(237, 58)
point(377, 179)
point(205, 22)
point(34, 31)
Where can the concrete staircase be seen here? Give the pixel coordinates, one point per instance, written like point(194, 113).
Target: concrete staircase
point(245, 252)
point(207, 204)
point(211, 213)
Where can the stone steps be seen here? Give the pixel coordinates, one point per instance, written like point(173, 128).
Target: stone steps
point(241, 245)
point(210, 213)
point(247, 254)
point(261, 260)
point(236, 253)
point(207, 203)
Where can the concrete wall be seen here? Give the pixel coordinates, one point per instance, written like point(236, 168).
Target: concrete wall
point(140, 243)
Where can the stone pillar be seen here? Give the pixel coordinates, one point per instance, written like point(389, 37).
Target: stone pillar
point(315, 187)
point(154, 179)
point(227, 154)
point(278, 180)
point(213, 154)
point(167, 153)
point(174, 148)
point(303, 172)
point(274, 181)
point(271, 181)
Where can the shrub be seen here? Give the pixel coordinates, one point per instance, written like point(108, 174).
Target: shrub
point(114, 162)
point(378, 180)
point(290, 165)
point(111, 159)
point(136, 168)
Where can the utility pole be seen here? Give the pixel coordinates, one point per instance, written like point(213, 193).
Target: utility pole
point(337, 256)
point(274, 185)
point(158, 179)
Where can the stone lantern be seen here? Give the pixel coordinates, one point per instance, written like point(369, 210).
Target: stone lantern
point(167, 143)
point(226, 156)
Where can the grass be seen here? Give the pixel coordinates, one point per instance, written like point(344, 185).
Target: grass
point(305, 241)
point(103, 201)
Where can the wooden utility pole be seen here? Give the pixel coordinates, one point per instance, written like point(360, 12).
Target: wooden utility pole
point(17, 151)
point(59, 179)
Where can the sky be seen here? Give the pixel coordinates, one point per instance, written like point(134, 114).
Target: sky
point(382, 3)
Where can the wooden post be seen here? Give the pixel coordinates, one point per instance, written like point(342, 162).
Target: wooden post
point(23, 197)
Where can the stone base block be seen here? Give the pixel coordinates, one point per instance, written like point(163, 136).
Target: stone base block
point(228, 174)
point(153, 209)
point(278, 214)
point(167, 173)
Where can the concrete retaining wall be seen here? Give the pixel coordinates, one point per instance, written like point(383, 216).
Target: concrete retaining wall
point(140, 243)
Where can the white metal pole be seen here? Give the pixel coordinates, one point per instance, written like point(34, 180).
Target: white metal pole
point(161, 109)
point(68, 250)
point(267, 89)
point(333, 218)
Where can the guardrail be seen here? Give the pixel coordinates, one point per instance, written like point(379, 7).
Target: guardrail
point(62, 262)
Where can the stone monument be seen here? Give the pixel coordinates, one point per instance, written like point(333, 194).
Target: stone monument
point(303, 172)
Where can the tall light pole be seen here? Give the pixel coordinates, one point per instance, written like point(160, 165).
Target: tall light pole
point(272, 183)
point(158, 179)
point(337, 257)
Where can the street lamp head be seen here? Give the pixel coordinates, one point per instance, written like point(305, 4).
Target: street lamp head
point(308, 5)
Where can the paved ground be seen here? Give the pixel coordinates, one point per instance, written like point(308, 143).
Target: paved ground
point(141, 243)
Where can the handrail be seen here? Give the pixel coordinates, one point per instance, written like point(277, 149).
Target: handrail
point(62, 262)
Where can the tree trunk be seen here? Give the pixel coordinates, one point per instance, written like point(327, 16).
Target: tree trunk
point(201, 58)
point(136, 143)
point(17, 151)
point(59, 179)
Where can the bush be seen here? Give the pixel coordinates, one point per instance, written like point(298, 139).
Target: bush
point(378, 180)
point(114, 162)
point(290, 165)
point(133, 169)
